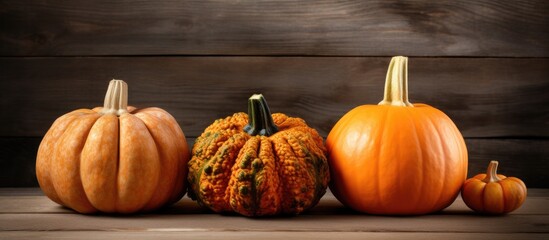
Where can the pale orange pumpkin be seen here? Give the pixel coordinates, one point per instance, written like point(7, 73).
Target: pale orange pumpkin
point(493, 193)
point(114, 159)
point(396, 157)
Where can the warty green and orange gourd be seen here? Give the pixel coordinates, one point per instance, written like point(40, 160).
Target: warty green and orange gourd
point(396, 157)
point(115, 158)
point(258, 164)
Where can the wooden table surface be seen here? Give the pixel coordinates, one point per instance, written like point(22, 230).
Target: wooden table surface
point(25, 213)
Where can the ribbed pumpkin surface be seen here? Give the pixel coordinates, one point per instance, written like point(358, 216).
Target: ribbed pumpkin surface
point(232, 170)
point(115, 158)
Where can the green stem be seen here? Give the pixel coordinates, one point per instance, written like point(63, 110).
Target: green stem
point(396, 83)
point(116, 99)
point(260, 121)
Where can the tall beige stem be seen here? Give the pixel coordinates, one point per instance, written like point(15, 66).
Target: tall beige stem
point(396, 83)
point(116, 99)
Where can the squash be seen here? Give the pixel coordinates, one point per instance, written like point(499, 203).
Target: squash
point(113, 159)
point(258, 164)
point(396, 157)
point(493, 193)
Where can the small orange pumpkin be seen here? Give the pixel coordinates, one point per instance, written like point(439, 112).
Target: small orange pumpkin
point(396, 157)
point(493, 193)
point(114, 159)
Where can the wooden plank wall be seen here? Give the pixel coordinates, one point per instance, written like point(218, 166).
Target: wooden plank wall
point(484, 63)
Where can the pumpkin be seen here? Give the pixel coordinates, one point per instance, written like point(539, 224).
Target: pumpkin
point(493, 193)
point(258, 164)
point(396, 158)
point(113, 159)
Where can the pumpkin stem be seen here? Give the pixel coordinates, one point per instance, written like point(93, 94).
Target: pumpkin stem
point(492, 173)
point(116, 99)
point(396, 83)
point(260, 120)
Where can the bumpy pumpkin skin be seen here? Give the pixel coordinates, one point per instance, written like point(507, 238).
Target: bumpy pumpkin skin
point(396, 160)
point(93, 161)
point(232, 171)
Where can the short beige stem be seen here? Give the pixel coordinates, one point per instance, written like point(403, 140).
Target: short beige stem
point(396, 83)
point(116, 99)
point(492, 173)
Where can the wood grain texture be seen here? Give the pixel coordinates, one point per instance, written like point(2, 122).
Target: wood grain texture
point(91, 235)
point(328, 216)
point(522, 158)
point(33, 201)
point(290, 27)
point(486, 97)
point(303, 223)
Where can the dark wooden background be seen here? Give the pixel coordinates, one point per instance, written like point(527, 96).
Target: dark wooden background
point(484, 63)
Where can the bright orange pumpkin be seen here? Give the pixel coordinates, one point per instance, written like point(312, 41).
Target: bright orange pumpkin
point(114, 159)
point(493, 193)
point(396, 157)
